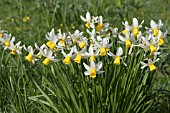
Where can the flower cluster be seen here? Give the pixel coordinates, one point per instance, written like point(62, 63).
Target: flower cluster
point(95, 43)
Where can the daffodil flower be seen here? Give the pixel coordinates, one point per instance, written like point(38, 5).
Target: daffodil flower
point(136, 26)
point(155, 27)
point(150, 63)
point(52, 39)
point(67, 58)
point(87, 20)
point(49, 56)
point(104, 46)
point(127, 27)
point(41, 48)
point(117, 57)
point(100, 24)
point(149, 43)
point(76, 36)
point(91, 54)
point(128, 40)
point(6, 40)
point(61, 39)
point(161, 37)
point(30, 57)
point(2, 33)
point(15, 48)
point(93, 69)
point(79, 54)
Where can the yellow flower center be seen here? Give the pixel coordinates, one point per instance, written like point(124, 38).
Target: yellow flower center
point(92, 58)
point(102, 51)
point(161, 41)
point(46, 61)
point(78, 58)
point(152, 48)
point(7, 43)
point(128, 43)
point(93, 73)
point(88, 24)
point(39, 55)
point(124, 32)
point(66, 60)
point(29, 57)
point(51, 44)
point(117, 60)
point(82, 44)
point(1, 35)
point(155, 31)
point(99, 27)
point(14, 52)
point(152, 67)
point(135, 31)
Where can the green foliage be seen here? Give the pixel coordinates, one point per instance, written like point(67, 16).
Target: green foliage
point(28, 88)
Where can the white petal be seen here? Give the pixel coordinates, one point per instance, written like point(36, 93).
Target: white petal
point(83, 50)
point(122, 38)
point(135, 22)
point(64, 54)
point(91, 52)
point(111, 54)
point(87, 73)
point(99, 65)
point(100, 20)
point(119, 52)
point(86, 66)
point(92, 64)
point(75, 49)
point(49, 53)
point(153, 24)
point(30, 49)
point(100, 72)
point(36, 46)
point(83, 18)
point(88, 16)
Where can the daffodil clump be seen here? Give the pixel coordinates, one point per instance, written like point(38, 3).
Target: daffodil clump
point(97, 43)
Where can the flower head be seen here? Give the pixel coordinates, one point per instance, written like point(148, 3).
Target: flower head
point(93, 69)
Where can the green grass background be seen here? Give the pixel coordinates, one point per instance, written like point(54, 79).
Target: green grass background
point(65, 14)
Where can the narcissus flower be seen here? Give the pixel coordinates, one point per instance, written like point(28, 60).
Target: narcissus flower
point(100, 23)
point(41, 48)
point(149, 43)
point(91, 54)
point(78, 54)
point(49, 56)
point(87, 20)
point(67, 58)
point(128, 40)
point(117, 57)
point(52, 39)
point(104, 46)
point(136, 26)
point(155, 27)
point(30, 57)
point(150, 63)
point(6, 40)
point(93, 69)
point(15, 48)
